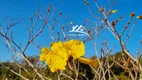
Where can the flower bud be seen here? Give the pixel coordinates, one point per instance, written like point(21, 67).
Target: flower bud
point(132, 14)
point(48, 9)
point(114, 11)
point(139, 17)
point(100, 10)
point(113, 23)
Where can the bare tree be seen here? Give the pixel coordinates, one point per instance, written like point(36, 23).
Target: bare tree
point(106, 62)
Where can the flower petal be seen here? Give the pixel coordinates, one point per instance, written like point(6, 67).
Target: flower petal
point(45, 52)
point(55, 63)
point(75, 48)
point(94, 63)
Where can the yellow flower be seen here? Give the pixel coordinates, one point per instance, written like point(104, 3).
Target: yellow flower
point(59, 53)
point(75, 48)
point(53, 60)
point(56, 57)
point(93, 63)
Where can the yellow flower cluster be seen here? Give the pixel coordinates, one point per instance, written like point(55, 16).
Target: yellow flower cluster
point(57, 56)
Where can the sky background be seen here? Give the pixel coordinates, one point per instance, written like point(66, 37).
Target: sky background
point(72, 11)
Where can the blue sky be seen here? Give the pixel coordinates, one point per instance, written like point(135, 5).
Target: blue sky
point(73, 11)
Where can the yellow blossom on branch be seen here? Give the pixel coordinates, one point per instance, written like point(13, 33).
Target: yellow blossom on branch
point(56, 57)
point(60, 52)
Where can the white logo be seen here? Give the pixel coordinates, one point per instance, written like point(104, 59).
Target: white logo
point(79, 29)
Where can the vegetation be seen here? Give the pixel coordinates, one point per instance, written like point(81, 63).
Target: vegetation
point(85, 71)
